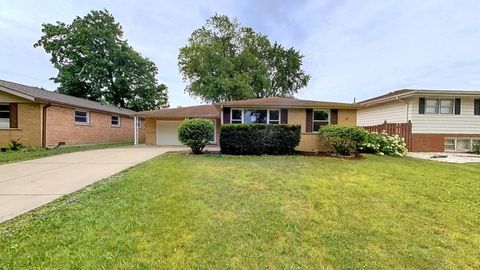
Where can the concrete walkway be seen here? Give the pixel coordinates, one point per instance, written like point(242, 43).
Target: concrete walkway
point(29, 184)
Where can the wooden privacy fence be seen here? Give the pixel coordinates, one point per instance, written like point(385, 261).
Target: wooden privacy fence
point(403, 130)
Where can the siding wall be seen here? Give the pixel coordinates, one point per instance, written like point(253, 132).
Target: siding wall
point(8, 98)
point(393, 112)
point(464, 123)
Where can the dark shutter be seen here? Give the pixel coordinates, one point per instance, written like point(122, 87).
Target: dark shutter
point(226, 115)
point(477, 107)
point(13, 115)
point(309, 120)
point(421, 105)
point(458, 105)
point(284, 116)
point(334, 117)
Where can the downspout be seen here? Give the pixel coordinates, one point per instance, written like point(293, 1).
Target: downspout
point(44, 125)
point(135, 131)
point(406, 103)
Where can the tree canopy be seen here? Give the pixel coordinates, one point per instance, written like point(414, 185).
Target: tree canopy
point(96, 63)
point(224, 60)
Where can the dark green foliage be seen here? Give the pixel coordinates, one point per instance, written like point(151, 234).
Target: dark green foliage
point(343, 139)
point(195, 133)
point(476, 149)
point(224, 61)
point(16, 145)
point(95, 62)
point(258, 139)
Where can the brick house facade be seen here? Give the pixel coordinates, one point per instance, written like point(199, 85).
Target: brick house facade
point(41, 118)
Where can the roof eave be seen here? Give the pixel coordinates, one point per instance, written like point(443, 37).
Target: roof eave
point(53, 102)
point(16, 93)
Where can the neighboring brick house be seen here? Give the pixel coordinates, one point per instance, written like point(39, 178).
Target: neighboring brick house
point(41, 118)
point(161, 125)
point(441, 120)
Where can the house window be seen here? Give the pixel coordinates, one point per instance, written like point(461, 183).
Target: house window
point(115, 121)
point(460, 144)
point(274, 117)
point(82, 117)
point(431, 106)
point(320, 118)
point(446, 106)
point(255, 116)
point(236, 116)
point(4, 116)
point(439, 106)
point(449, 144)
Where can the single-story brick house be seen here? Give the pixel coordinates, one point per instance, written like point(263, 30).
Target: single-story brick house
point(161, 125)
point(41, 118)
point(441, 120)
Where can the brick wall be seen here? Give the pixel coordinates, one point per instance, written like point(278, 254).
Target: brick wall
point(29, 129)
point(61, 127)
point(434, 142)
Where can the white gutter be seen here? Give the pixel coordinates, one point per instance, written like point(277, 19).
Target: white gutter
point(135, 131)
point(406, 103)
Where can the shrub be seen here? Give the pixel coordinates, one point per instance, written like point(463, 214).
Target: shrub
point(258, 139)
point(476, 149)
point(195, 133)
point(343, 139)
point(384, 144)
point(16, 145)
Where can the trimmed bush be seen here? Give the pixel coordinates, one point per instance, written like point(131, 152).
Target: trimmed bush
point(259, 139)
point(384, 144)
point(343, 139)
point(195, 133)
point(476, 149)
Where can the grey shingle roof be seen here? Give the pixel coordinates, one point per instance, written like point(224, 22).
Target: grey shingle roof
point(285, 102)
point(42, 95)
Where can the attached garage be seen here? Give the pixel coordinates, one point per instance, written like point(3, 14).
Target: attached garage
point(161, 126)
point(166, 132)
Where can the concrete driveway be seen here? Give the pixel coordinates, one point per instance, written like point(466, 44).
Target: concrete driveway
point(29, 184)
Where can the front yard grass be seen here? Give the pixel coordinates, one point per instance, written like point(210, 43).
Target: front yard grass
point(287, 212)
point(33, 153)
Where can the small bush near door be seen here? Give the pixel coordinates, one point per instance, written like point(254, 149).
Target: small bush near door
point(195, 133)
point(258, 139)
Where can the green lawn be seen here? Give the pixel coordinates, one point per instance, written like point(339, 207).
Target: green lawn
point(33, 153)
point(183, 211)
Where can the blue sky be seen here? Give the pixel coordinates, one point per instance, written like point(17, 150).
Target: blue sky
point(352, 48)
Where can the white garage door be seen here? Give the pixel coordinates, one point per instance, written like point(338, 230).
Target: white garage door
point(167, 133)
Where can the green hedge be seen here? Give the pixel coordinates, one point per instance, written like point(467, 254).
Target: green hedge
point(258, 139)
point(195, 133)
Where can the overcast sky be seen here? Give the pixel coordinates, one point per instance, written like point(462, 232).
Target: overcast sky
point(352, 48)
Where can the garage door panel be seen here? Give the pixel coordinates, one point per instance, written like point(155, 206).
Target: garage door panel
point(167, 133)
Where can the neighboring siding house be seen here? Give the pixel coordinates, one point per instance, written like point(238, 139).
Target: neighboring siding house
point(161, 125)
point(441, 120)
point(41, 118)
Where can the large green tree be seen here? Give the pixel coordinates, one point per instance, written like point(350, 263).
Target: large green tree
point(94, 61)
point(224, 60)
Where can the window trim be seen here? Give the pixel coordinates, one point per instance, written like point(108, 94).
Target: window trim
point(455, 145)
point(119, 121)
point(243, 115)
point(9, 115)
point(321, 121)
point(438, 106)
point(87, 116)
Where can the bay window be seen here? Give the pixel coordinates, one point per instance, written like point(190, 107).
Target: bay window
point(255, 116)
point(320, 118)
point(4, 116)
